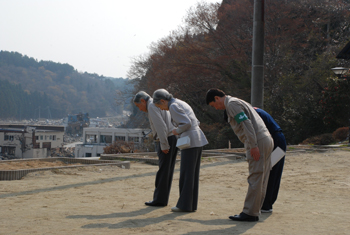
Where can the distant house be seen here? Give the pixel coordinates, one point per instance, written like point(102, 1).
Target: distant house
point(24, 141)
point(95, 139)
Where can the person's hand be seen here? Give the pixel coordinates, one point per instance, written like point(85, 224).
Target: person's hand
point(255, 153)
point(174, 132)
point(166, 151)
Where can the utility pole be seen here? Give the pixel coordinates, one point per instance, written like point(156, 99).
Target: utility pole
point(257, 89)
point(49, 113)
point(22, 140)
point(39, 112)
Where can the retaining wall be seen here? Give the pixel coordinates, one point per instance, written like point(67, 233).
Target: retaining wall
point(18, 174)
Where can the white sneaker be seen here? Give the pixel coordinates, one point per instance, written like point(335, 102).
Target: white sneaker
point(175, 209)
point(266, 211)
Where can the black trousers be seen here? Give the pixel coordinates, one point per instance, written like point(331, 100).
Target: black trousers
point(273, 185)
point(189, 178)
point(165, 172)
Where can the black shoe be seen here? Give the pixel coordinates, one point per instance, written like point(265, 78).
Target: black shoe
point(244, 217)
point(153, 203)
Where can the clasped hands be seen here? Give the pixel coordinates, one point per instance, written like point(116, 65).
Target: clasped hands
point(166, 151)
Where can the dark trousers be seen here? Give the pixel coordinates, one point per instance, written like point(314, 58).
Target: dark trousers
point(273, 185)
point(189, 178)
point(165, 172)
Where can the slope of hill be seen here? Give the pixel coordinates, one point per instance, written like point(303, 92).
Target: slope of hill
point(28, 85)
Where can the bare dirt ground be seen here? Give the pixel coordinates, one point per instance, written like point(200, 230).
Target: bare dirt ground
point(314, 199)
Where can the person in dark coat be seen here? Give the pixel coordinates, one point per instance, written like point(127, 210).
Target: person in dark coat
point(276, 172)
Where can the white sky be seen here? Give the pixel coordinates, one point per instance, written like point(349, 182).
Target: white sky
point(96, 36)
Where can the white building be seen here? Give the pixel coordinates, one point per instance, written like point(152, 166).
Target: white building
point(95, 139)
point(29, 141)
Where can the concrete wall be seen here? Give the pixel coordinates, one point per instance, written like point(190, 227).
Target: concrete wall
point(85, 150)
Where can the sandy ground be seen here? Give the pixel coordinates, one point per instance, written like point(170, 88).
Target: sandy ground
point(314, 199)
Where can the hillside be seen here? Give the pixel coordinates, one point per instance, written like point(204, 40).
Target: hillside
point(214, 49)
point(30, 87)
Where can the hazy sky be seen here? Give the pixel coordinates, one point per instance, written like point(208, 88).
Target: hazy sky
point(96, 36)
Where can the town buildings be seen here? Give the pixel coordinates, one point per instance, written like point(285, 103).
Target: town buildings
point(95, 139)
point(29, 141)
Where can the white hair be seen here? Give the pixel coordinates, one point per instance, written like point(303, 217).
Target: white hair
point(141, 95)
point(161, 94)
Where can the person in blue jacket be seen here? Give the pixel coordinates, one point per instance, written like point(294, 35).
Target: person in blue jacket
point(276, 172)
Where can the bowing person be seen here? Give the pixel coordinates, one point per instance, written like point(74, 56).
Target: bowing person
point(165, 141)
point(186, 124)
point(276, 172)
point(258, 143)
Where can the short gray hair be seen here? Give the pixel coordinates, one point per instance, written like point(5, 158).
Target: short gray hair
point(141, 95)
point(161, 94)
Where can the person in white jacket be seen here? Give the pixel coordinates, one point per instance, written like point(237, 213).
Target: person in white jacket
point(165, 141)
point(186, 124)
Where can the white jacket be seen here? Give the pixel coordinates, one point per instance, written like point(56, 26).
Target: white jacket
point(186, 122)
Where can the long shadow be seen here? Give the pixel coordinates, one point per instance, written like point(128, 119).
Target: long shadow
point(210, 222)
point(116, 215)
point(75, 185)
point(217, 164)
point(238, 228)
point(134, 223)
point(96, 182)
point(235, 226)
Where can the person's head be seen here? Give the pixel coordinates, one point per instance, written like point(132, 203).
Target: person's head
point(216, 98)
point(161, 98)
point(140, 100)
